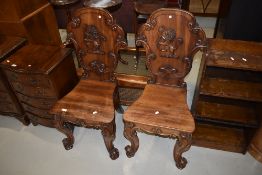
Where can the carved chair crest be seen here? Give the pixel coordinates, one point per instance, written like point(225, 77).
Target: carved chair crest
point(97, 39)
point(171, 37)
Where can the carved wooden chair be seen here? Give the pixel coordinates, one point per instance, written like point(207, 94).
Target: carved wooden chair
point(91, 104)
point(171, 37)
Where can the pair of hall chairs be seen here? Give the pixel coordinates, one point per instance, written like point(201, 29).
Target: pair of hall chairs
point(171, 37)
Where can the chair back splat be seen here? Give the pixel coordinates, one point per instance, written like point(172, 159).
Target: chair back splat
point(171, 37)
point(97, 39)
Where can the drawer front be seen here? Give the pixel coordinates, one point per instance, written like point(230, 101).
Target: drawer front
point(37, 112)
point(28, 79)
point(44, 103)
point(8, 107)
point(33, 91)
point(42, 121)
point(5, 97)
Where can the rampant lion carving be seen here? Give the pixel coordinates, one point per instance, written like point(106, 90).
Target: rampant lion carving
point(168, 42)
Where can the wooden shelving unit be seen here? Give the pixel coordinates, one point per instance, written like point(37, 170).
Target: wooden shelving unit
point(228, 95)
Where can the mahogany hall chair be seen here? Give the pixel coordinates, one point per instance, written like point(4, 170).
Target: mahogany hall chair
point(171, 37)
point(91, 104)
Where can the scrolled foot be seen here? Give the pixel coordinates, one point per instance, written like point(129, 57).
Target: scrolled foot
point(67, 144)
point(129, 152)
point(114, 154)
point(67, 129)
point(181, 163)
point(131, 135)
point(183, 144)
point(108, 133)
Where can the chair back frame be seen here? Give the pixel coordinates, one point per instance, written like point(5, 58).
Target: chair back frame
point(171, 37)
point(97, 39)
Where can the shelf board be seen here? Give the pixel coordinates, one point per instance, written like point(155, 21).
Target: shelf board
point(222, 138)
point(232, 89)
point(234, 60)
point(232, 114)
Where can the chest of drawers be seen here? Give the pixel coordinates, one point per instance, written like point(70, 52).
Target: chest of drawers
point(9, 104)
point(39, 76)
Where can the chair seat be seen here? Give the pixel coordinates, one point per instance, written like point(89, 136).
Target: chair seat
point(146, 7)
point(90, 101)
point(162, 106)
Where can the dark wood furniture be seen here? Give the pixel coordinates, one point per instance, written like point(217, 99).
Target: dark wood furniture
point(92, 102)
point(9, 104)
point(31, 19)
point(228, 94)
point(171, 37)
point(40, 75)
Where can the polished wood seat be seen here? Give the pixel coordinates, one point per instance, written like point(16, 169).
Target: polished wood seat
point(89, 102)
point(170, 37)
point(157, 107)
point(92, 103)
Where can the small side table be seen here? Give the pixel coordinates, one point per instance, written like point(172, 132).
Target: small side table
point(109, 5)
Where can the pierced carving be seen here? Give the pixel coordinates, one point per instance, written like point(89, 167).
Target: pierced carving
point(93, 40)
point(167, 42)
point(75, 23)
point(97, 66)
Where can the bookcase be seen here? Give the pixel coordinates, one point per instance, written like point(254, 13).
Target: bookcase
point(228, 95)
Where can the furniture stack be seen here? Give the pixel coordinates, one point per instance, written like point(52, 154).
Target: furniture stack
point(9, 104)
point(228, 95)
point(39, 76)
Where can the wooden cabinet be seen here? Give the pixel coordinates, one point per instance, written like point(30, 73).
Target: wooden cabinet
point(9, 104)
point(40, 75)
point(228, 95)
point(32, 19)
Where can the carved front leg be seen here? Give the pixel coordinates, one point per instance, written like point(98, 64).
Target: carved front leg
point(131, 135)
point(67, 129)
point(109, 134)
point(183, 144)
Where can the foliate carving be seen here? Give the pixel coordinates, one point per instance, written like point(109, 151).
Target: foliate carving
point(166, 71)
point(141, 39)
point(194, 27)
point(156, 130)
point(93, 40)
point(167, 42)
point(97, 66)
point(75, 23)
point(121, 42)
point(80, 56)
point(150, 24)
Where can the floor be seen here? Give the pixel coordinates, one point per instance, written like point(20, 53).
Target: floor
point(38, 150)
